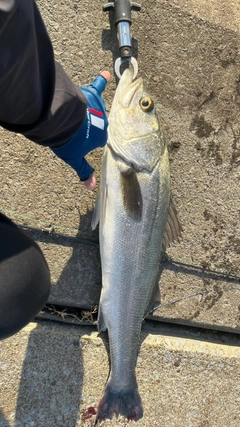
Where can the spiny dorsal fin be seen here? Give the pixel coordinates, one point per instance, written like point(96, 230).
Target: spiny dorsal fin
point(173, 228)
point(131, 194)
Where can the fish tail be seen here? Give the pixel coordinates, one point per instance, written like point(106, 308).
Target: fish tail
point(126, 403)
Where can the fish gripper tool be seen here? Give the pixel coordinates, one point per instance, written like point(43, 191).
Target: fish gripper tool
point(122, 20)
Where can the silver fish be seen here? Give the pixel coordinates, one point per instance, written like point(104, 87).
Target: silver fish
point(136, 220)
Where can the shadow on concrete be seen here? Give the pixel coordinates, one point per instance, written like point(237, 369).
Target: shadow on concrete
point(52, 374)
point(201, 272)
point(51, 380)
point(3, 421)
point(79, 282)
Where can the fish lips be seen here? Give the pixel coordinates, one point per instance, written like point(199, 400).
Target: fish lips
point(128, 89)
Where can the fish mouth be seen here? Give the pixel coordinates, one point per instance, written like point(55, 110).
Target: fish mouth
point(129, 90)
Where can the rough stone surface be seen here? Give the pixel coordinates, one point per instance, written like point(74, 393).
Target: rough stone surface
point(54, 375)
point(188, 54)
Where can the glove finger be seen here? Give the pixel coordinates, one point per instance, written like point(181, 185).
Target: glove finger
point(100, 83)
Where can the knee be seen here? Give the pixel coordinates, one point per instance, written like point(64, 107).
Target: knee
point(24, 280)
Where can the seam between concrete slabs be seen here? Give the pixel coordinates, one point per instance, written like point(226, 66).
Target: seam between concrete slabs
point(168, 343)
point(180, 345)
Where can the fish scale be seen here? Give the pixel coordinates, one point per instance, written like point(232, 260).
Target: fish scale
point(132, 209)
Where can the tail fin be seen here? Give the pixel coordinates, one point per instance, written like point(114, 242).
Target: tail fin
point(126, 403)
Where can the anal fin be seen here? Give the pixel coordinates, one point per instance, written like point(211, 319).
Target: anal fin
point(155, 299)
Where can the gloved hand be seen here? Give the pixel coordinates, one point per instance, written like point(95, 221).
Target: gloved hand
point(92, 134)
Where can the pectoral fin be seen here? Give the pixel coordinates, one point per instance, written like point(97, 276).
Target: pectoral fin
point(131, 194)
point(173, 228)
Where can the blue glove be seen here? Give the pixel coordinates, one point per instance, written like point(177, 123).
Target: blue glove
point(92, 134)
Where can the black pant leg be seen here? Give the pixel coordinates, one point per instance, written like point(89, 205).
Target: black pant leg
point(24, 278)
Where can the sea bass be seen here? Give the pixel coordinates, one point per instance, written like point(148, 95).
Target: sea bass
point(136, 220)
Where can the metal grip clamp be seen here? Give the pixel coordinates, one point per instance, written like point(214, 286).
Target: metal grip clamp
point(122, 20)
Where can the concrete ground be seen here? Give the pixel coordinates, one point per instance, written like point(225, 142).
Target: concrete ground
point(54, 375)
point(189, 57)
point(188, 54)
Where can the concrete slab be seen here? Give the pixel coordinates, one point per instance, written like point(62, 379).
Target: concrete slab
point(224, 13)
point(73, 261)
point(188, 54)
point(190, 295)
point(54, 375)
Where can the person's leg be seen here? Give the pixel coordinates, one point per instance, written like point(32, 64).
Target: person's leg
point(24, 279)
point(38, 99)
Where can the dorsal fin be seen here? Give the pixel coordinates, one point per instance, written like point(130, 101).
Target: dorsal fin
point(173, 228)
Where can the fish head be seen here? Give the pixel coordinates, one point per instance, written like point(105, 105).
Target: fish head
point(134, 130)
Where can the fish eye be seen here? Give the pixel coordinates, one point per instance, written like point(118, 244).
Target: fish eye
point(146, 104)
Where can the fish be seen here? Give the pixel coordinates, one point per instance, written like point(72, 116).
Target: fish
point(137, 221)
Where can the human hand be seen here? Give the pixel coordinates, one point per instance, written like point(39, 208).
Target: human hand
point(92, 134)
point(91, 182)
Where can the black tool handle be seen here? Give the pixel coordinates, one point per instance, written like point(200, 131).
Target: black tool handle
point(122, 10)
